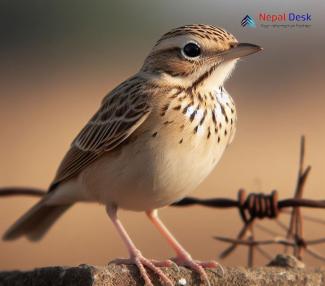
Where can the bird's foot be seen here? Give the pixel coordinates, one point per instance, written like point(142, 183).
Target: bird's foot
point(200, 266)
point(141, 262)
point(158, 263)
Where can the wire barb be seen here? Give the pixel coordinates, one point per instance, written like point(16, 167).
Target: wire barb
point(252, 207)
point(261, 206)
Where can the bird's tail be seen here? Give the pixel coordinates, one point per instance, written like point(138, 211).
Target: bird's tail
point(35, 223)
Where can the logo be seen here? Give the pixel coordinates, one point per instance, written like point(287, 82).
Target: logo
point(248, 21)
point(278, 20)
point(283, 17)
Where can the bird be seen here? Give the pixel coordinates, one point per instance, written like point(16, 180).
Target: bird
point(154, 139)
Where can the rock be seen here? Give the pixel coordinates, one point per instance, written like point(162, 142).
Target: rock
point(288, 261)
point(112, 275)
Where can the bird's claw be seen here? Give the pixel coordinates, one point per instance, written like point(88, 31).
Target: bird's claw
point(141, 262)
point(200, 267)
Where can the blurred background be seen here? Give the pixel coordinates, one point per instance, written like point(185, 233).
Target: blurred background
point(59, 58)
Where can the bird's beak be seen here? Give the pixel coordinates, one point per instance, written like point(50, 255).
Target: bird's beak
point(239, 51)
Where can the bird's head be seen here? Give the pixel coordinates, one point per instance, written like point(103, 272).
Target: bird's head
point(196, 56)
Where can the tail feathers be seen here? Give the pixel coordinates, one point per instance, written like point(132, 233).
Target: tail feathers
point(36, 222)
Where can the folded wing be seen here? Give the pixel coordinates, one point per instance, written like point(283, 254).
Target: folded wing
point(121, 113)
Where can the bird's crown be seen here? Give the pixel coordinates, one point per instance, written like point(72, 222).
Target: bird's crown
point(180, 51)
point(194, 55)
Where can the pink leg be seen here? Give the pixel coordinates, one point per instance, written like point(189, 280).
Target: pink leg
point(182, 256)
point(135, 255)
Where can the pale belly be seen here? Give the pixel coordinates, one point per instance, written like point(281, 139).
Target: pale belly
point(152, 173)
point(165, 160)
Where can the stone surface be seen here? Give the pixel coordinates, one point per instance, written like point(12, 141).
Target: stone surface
point(287, 261)
point(47, 276)
point(86, 275)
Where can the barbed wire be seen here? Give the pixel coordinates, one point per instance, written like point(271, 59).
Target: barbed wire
point(252, 207)
point(258, 206)
point(17, 191)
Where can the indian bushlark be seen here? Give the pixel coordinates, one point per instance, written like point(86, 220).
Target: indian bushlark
point(153, 140)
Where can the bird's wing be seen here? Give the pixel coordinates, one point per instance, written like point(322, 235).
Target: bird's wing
point(121, 113)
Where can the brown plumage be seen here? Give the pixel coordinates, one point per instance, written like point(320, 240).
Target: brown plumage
point(153, 140)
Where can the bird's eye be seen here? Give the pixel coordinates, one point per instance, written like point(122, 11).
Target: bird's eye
point(191, 50)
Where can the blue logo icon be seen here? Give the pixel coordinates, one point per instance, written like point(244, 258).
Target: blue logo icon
point(248, 21)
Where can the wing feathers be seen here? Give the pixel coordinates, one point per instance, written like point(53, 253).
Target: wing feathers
point(120, 114)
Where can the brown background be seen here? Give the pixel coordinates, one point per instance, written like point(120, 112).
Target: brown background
point(58, 60)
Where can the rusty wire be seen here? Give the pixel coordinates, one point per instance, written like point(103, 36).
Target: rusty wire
point(253, 207)
point(17, 191)
point(260, 206)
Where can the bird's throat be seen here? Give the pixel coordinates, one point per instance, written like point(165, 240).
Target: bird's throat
point(216, 76)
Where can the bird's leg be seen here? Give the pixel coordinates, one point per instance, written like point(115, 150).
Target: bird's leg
point(182, 256)
point(135, 255)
